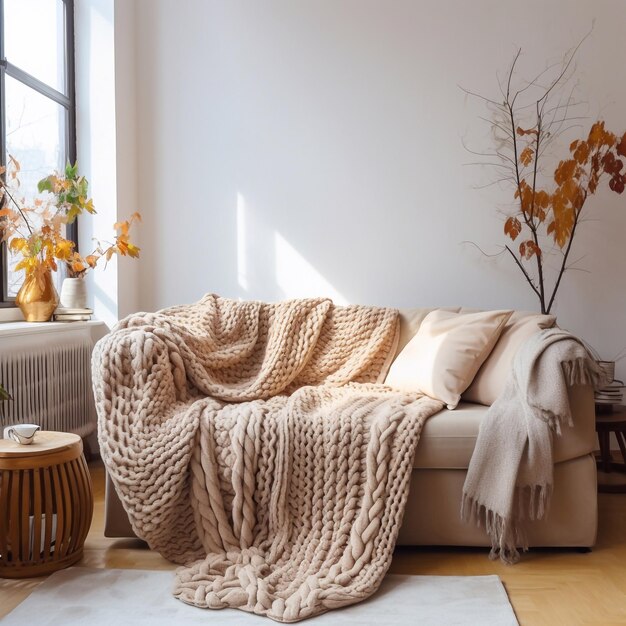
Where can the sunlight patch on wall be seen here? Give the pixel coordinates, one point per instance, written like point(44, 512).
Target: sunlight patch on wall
point(297, 278)
point(242, 240)
point(97, 141)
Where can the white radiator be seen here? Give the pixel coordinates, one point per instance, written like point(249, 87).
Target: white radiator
point(48, 373)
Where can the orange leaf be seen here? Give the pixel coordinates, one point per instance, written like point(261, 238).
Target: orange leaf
point(78, 266)
point(17, 244)
point(610, 164)
point(617, 183)
point(565, 170)
point(122, 226)
point(528, 249)
point(581, 154)
point(525, 193)
point(598, 136)
point(561, 226)
point(122, 246)
point(512, 228)
point(133, 251)
point(542, 199)
point(522, 132)
point(539, 213)
point(526, 156)
point(570, 190)
point(63, 249)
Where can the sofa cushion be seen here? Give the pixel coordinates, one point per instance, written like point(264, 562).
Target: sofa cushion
point(443, 357)
point(491, 377)
point(448, 437)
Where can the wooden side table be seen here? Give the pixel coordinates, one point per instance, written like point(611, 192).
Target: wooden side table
point(607, 423)
point(46, 504)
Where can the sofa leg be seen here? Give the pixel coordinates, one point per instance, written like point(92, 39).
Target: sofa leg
point(584, 550)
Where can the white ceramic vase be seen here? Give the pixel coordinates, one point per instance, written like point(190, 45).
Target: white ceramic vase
point(74, 293)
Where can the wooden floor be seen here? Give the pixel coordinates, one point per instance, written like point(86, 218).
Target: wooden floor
point(551, 587)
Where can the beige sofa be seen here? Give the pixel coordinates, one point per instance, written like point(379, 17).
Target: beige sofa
point(440, 466)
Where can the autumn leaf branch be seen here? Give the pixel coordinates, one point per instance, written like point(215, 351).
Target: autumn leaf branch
point(548, 214)
point(66, 198)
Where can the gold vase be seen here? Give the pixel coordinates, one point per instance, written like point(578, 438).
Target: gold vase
point(37, 297)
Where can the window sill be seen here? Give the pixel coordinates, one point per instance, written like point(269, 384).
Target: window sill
point(10, 314)
point(10, 329)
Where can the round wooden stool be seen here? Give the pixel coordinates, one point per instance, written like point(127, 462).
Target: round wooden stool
point(46, 504)
point(607, 423)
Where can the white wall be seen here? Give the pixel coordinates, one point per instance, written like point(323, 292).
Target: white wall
point(315, 147)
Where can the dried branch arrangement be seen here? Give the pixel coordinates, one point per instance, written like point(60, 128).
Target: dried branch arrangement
point(35, 230)
point(545, 217)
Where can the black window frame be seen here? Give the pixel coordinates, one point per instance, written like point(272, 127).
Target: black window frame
point(66, 101)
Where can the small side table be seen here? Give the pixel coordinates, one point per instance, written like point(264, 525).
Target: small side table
point(607, 423)
point(46, 504)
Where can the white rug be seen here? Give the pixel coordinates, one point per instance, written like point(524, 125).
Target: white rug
point(105, 597)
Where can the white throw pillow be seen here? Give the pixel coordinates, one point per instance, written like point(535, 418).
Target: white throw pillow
point(443, 357)
point(411, 320)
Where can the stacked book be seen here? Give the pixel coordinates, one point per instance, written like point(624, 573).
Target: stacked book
point(611, 394)
point(64, 314)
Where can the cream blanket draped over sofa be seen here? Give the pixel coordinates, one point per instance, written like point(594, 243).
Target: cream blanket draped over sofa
point(251, 443)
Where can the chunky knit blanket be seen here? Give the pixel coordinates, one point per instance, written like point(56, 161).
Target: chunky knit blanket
point(509, 480)
point(251, 443)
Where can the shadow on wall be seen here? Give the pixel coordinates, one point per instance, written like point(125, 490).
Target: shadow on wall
point(266, 257)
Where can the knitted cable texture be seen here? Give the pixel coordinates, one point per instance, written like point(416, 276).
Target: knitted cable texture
point(251, 443)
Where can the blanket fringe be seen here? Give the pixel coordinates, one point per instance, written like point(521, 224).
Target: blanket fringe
point(580, 371)
point(507, 534)
point(503, 532)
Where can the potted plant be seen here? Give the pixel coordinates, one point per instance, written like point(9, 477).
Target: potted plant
point(36, 231)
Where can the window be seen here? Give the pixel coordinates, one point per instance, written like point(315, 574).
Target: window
point(37, 102)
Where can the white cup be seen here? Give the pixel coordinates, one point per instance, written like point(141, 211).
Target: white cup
point(24, 434)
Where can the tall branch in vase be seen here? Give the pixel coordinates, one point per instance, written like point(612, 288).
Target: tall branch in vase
point(544, 219)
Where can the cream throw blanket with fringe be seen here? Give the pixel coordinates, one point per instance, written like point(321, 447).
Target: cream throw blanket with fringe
point(252, 439)
point(509, 480)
